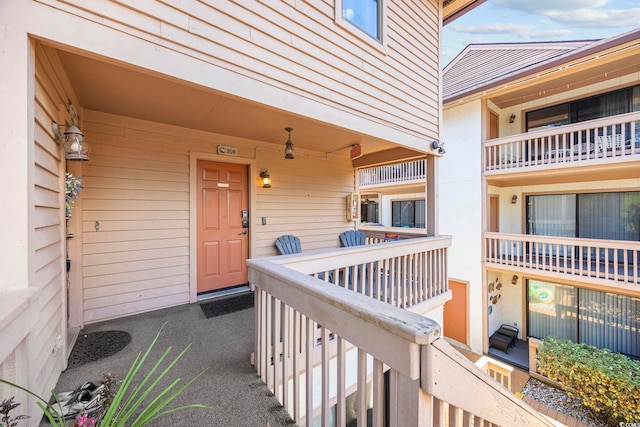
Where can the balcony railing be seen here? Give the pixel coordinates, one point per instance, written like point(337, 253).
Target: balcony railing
point(608, 262)
point(615, 137)
point(412, 172)
point(321, 346)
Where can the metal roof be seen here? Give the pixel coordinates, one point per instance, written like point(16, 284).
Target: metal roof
point(480, 64)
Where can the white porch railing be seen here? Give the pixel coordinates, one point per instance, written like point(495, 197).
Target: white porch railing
point(411, 172)
point(390, 361)
point(611, 262)
point(615, 137)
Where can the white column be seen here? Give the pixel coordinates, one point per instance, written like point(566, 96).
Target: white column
point(432, 196)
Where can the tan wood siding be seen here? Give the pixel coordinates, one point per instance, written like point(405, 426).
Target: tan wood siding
point(298, 48)
point(48, 227)
point(136, 186)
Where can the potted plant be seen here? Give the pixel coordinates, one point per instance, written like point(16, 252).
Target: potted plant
point(72, 188)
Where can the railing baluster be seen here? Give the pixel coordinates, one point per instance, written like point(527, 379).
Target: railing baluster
point(297, 371)
point(308, 354)
point(362, 388)
point(326, 359)
point(341, 410)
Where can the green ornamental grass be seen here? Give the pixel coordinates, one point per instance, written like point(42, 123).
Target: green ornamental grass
point(133, 405)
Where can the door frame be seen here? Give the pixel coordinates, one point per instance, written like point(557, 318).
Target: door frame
point(252, 176)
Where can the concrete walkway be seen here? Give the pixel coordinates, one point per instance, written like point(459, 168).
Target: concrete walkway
point(222, 345)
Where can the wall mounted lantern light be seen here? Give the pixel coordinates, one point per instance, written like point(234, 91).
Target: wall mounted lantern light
point(266, 179)
point(75, 148)
point(512, 118)
point(289, 152)
point(514, 199)
point(438, 146)
point(514, 280)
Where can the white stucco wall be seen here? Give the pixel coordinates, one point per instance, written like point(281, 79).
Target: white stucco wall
point(461, 205)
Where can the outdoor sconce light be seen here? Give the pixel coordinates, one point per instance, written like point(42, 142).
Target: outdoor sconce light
point(514, 199)
point(514, 279)
point(75, 148)
point(289, 152)
point(512, 118)
point(438, 146)
point(266, 179)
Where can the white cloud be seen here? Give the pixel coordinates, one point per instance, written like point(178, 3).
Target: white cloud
point(542, 7)
point(521, 31)
point(597, 18)
point(575, 13)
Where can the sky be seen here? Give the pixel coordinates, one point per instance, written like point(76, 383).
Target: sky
point(508, 21)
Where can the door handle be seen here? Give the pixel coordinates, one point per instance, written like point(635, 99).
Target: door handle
point(244, 231)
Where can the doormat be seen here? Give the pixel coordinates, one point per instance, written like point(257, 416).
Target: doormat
point(227, 305)
point(96, 345)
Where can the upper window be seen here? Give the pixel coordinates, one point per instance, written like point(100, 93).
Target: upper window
point(364, 14)
point(408, 213)
point(595, 107)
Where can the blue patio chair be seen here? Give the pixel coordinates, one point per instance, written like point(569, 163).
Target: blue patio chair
point(288, 244)
point(353, 238)
point(357, 238)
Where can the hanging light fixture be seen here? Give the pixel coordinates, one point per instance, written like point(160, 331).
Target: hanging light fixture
point(289, 152)
point(75, 148)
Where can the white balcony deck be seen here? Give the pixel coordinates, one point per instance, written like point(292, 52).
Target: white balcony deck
point(601, 263)
point(591, 145)
point(406, 173)
point(349, 331)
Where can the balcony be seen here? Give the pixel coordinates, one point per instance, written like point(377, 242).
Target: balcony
point(608, 146)
point(599, 263)
point(337, 327)
point(406, 173)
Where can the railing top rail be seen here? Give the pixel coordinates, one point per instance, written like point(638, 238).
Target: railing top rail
point(331, 259)
point(568, 241)
point(360, 320)
point(589, 124)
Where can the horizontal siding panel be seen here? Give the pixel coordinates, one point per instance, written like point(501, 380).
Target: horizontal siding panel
point(46, 179)
point(134, 151)
point(133, 256)
point(46, 198)
point(47, 255)
point(134, 215)
point(134, 205)
point(133, 297)
point(137, 184)
point(142, 306)
point(93, 170)
point(46, 217)
point(46, 236)
point(148, 225)
point(126, 236)
point(155, 276)
point(50, 272)
point(135, 194)
point(142, 164)
point(140, 285)
point(139, 266)
point(136, 245)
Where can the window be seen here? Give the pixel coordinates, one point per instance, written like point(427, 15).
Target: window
point(601, 319)
point(595, 107)
point(408, 213)
point(364, 14)
point(611, 216)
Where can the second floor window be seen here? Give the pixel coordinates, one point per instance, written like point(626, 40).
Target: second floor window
point(364, 14)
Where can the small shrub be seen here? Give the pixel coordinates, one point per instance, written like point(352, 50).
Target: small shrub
point(607, 383)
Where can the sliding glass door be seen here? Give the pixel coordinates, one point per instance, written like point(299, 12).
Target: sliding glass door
point(601, 319)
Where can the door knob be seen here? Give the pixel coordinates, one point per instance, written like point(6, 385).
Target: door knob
point(244, 232)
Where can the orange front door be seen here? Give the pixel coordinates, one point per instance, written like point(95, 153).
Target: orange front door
point(223, 239)
point(455, 312)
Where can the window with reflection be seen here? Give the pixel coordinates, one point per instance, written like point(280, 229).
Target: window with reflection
point(364, 14)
